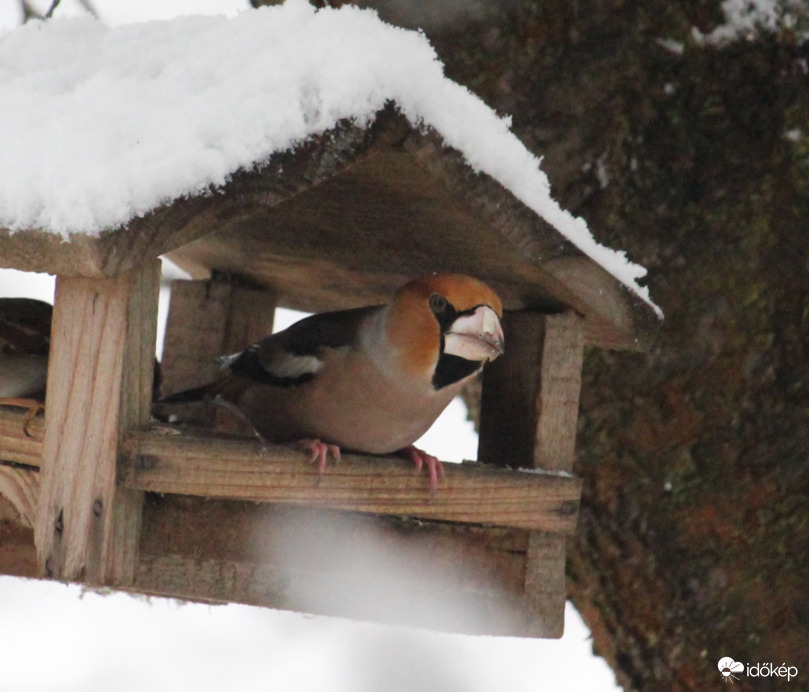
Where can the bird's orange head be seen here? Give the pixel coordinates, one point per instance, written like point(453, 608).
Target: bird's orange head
point(452, 317)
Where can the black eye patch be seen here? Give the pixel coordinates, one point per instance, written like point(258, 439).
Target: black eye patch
point(445, 313)
point(438, 303)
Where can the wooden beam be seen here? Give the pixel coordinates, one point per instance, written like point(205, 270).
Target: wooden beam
point(209, 465)
point(438, 575)
point(99, 385)
point(447, 577)
point(400, 570)
point(233, 468)
point(530, 406)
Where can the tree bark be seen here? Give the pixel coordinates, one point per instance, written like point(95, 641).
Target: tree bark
point(694, 533)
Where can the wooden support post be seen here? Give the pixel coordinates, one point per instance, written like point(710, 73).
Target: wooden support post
point(100, 379)
point(529, 411)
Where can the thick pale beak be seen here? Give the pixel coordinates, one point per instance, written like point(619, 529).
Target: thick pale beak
point(478, 336)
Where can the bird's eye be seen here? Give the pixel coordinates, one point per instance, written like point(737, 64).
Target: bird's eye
point(438, 303)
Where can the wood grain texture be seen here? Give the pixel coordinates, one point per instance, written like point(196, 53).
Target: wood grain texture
point(237, 468)
point(557, 405)
point(99, 384)
point(545, 582)
point(208, 319)
point(398, 570)
point(198, 314)
point(250, 316)
point(530, 406)
point(15, 444)
point(557, 418)
point(21, 488)
point(417, 186)
point(217, 466)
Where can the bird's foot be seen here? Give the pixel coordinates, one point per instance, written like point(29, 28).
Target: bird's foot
point(34, 407)
point(320, 452)
point(421, 458)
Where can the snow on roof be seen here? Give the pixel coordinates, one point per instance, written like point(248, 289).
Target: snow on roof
point(105, 124)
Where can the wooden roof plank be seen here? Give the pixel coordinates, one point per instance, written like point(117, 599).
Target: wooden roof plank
point(348, 215)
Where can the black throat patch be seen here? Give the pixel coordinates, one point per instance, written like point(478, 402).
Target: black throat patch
point(450, 369)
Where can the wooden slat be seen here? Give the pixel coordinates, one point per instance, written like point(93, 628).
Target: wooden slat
point(242, 469)
point(137, 389)
point(99, 384)
point(15, 444)
point(445, 576)
point(442, 576)
point(237, 468)
point(450, 577)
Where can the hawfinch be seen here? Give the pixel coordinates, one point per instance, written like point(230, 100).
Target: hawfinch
point(25, 329)
point(371, 379)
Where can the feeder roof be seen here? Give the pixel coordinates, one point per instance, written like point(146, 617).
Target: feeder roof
point(323, 153)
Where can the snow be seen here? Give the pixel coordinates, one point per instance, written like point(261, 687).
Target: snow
point(105, 131)
point(546, 472)
point(747, 19)
point(54, 637)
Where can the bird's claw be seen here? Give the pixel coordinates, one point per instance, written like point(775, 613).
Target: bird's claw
point(320, 452)
point(421, 458)
point(33, 412)
point(34, 408)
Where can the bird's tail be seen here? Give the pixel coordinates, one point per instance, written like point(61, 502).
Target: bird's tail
point(187, 396)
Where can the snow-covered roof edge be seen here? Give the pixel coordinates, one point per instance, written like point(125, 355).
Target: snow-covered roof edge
point(105, 131)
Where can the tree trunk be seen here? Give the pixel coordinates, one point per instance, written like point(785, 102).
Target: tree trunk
point(694, 532)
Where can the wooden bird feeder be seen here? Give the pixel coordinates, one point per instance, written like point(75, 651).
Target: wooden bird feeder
point(107, 497)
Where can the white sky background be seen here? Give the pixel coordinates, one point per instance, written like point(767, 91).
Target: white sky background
point(52, 638)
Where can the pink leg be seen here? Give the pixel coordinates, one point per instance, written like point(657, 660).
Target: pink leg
point(320, 452)
point(419, 458)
